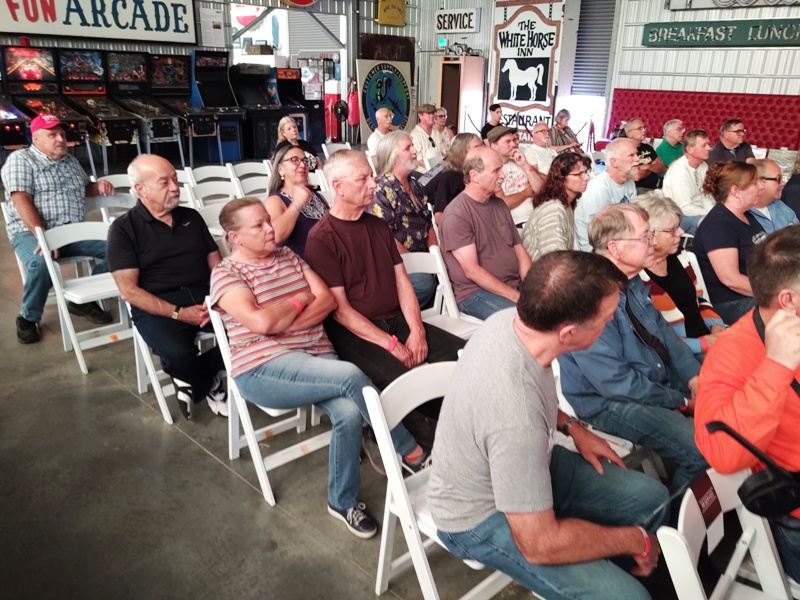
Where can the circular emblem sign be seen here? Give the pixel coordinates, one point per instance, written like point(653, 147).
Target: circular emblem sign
point(299, 3)
point(385, 86)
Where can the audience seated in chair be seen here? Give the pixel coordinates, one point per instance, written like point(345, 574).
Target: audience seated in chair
point(450, 182)
point(683, 182)
point(480, 243)
point(273, 306)
point(520, 180)
point(770, 211)
point(499, 492)
point(45, 187)
point(649, 171)
point(402, 203)
point(383, 122)
point(672, 287)
point(638, 380)
point(671, 147)
point(731, 144)
point(422, 137)
point(539, 153)
point(161, 256)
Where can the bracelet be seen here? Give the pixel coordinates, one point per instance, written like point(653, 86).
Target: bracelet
point(567, 425)
point(297, 305)
point(647, 544)
point(392, 344)
point(703, 344)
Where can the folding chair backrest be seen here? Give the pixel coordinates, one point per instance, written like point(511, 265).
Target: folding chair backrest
point(371, 162)
point(23, 273)
point(210, 173)
point(112, 206)
point(210, 214)
point(689, 261)
point(268, 168)
point(212, 192)
point(222, 337)
point(434, 224)
point(414, 388)
point(120, 182)
point(329, 149)
point(187, 198)
point(246, 169)
point(424, 262)
point(448, 296)
point(317, 178)
point(75, 232)
point(185, 176)
point(254, 185)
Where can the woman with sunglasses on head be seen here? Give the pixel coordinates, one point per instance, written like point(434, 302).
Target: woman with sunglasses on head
point(551, 226)
point(293, 206)
point(726, 236)
point(673, 287)
point(289, 134)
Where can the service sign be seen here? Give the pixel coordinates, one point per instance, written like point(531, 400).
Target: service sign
point(155, 21)
point(526, 45)
point(464, 20)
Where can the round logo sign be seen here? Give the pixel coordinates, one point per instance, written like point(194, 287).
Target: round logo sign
point(299, 3)
point(385, 86)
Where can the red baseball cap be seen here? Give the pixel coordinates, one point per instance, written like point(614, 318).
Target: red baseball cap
point(44, 122)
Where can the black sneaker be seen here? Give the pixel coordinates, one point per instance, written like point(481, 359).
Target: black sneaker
point(27, 331)
point(423, 463)
point(357, 520)
point(90, 311)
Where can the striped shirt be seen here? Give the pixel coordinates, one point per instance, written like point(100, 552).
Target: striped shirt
point(551, 227)
point(271, 284)
point(58, 188)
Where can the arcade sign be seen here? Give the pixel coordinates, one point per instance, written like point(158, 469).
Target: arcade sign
point(155, 21)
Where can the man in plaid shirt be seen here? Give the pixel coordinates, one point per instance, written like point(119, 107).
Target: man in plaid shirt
point(45, 187)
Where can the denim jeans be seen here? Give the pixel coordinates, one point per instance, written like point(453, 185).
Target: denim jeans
point(37, 278)
point(174, 342)
point(298, 379)
point(424, 287)
point(617, 498)
point(735, 309)
point(787, 539)
point(483, 304)
point(664, 430)
point(689, 224)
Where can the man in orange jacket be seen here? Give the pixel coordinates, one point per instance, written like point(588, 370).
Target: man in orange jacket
point(748, 376)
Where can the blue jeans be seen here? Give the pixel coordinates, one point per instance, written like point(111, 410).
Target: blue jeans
point(424, 287)
point(298, 379)
point(735, 309)
point(618, 498)
point(664, 430)
point(483, 304)
point(689, 224)
point(787, 539)
point(37, 279)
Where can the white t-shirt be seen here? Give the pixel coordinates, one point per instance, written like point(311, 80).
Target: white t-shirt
point(601, 191)
point(372, 142)
point(516, 179)
point(539, 157)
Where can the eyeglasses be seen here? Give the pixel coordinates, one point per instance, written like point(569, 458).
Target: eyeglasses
point(441, 116)
point(737, 131)
point(584, 173)
point(542, 131)
point(647, 238)
point(297, 161)
point(782, 179)
point(672, 231)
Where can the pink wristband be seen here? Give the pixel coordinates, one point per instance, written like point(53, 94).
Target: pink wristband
point(392, 344)
point(647, 544)
point(703, 344)
point(297, 305)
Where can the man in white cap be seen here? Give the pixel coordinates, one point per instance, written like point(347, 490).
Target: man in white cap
point(45, 187)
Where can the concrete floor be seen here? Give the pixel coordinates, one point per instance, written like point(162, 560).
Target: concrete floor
point(100, 498)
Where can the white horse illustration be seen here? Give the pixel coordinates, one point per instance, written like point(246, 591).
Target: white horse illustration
point(531, 77)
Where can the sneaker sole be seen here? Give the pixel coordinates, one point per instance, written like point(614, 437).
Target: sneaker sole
point(29, 341)
point(216, 407)
point(364, 535)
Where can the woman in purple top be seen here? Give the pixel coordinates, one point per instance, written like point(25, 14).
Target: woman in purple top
point(402, 203)
point(293, 207)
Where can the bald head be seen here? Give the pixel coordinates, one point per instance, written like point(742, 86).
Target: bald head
point(155, 182)
point(383, 119)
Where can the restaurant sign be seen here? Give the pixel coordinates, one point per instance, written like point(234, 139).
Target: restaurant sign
point(715, 34)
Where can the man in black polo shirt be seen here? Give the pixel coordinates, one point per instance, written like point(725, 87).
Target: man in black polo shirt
point(161, 256)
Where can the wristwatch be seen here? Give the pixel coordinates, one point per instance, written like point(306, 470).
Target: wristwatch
point(567, 425)
point(175, 312)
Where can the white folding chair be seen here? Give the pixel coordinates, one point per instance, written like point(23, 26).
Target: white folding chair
point(250, 176)
point(111, 207)
point(328, 196)
point(238, 412)
point(268, 168)
point(212, 192)
point(82, 290)
point(120, 181)
point(701, 519)
point(689, 260)
point(187, 198)
point(317, 178)
point(209, 173)
point(434, 224)
point(185, 176)
point(444, 314)
point(371, 162)
point(406, 499)
point(330, 148)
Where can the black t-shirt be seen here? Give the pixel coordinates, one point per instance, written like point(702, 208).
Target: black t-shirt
point(647, 154)
point(450, 184)
point(167, 258)
point(486, 129)
point(722, 229)
point(680, 287)
point(791, 194)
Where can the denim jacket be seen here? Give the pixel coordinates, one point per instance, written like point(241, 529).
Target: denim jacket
point(782, 216)
point(621, 367)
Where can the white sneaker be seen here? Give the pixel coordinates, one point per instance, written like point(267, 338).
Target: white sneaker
point(217, 398)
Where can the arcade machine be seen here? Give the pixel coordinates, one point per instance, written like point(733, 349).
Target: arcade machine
point(83, 81)
point(32, 82)
point(128, 81)
point(260, 132)
point(212, 89)
point(13, 124)
point(170, 86)
point(290, 91)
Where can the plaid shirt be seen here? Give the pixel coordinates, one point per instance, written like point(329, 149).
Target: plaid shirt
point(58, 188)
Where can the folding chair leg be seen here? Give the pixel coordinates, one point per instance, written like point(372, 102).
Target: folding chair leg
point(234, 447)
point(387, 543)
point(66, 323)
point(255, 453)
point(146, 369)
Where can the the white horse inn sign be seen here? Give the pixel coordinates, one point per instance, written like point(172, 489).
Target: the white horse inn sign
point(526, 46)
point(157, 21)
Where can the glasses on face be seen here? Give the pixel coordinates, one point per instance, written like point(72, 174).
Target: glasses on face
point(542, 131)
point(441, 116)
point(297, 161)
point(738, 131)
point(782, 179)
point(647, 238)
point(579, 174)
point(672, 232)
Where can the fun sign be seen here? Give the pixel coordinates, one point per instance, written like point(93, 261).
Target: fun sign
point(144, 20)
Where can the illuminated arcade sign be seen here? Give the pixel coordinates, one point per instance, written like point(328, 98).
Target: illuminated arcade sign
point(157, 21)
point(716, 34)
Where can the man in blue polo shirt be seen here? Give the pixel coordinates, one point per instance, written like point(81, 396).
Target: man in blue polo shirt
point(45, 187)
point(161, 256)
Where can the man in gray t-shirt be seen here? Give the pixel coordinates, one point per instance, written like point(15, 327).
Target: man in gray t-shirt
point(500, 491)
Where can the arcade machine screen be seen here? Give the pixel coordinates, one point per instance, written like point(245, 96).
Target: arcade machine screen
point(128, 70)
point(170, 74)
point(82, 71)
point(211, 69)
point(29, 64)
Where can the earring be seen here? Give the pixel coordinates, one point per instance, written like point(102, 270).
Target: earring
point(281, 177)
point(741, 201)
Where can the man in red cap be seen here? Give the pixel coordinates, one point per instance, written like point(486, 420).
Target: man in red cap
point(45, 187)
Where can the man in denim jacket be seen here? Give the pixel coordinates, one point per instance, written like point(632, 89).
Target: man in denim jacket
point(638, 380)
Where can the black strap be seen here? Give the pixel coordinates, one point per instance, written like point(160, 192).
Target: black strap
point(647, 337)
point(759, 323)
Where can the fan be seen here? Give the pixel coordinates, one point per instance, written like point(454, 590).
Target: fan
point(341, 111)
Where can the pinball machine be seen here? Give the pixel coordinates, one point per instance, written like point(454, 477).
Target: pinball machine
point(37, 95)
point(260, 131)
point(128, 84)
point(170, 86)
point(83, 82)
point(13, 124)
point(211, 88)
